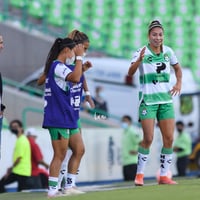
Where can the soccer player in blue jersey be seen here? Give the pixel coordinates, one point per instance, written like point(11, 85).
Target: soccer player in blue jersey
point(154, 62)
point(60, 101)
point(76, 144)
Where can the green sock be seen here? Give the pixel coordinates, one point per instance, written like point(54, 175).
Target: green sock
point(143, 150)
point(53, 186)
point(53, 182)
point(166, 150)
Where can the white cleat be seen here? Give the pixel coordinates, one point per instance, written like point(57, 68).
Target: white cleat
point(72, 191)
point(57, 194)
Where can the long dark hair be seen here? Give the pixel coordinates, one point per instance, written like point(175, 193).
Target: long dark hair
point(78, 37)
point(55, 50)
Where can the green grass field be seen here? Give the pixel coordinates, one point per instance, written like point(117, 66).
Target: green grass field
point(187, 189)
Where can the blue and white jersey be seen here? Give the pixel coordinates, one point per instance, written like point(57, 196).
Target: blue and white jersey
point(60, 103)
point(76, 90)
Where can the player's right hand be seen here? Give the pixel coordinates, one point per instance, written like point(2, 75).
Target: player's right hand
point(79, 50)
point(142, 54)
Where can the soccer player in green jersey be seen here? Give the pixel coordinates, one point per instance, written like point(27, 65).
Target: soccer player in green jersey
point(154, 62)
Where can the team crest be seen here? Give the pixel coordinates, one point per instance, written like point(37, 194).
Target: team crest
point(144, 111)
point(166, 57)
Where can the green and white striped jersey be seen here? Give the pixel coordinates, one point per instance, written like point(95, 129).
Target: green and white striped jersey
point(155, 75)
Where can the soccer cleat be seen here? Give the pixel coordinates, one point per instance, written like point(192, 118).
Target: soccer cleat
point(139, 180)
point(166, 180)
point(72, 191)
point(57, 194)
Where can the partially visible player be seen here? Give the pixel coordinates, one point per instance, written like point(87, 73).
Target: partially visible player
point(76, 151)
point(2, 107)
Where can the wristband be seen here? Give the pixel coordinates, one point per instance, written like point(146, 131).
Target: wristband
point(87, 93)
point(79, 58)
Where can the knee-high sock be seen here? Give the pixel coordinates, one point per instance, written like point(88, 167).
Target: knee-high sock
point(142, 159)
point(70, 180)
point(53, 186)
point(63, 170)
point(165, 160)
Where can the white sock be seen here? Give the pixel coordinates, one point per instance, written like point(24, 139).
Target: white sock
point(63, 170)
point(53, 186)
point(61, 176)
point(165, 162)
point(142, 160)
point(70, 180)
point(74, 182)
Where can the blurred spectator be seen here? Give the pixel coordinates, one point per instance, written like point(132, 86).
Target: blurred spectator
point(182, 148)
point(100, 108)
point(130, 144)
point(193, 133)
point(39, 176)
point(20, 170)
point(1, 43)
point(194, 157)
point(100, 102)
point(2, 107)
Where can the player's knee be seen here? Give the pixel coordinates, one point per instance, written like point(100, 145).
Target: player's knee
point(168, 141)
point(147, 141)
point(61, 155)
point(79, 152)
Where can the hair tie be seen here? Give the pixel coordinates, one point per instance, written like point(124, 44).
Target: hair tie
point(60, 40)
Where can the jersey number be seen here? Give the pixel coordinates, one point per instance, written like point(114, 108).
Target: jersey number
point(75, 101)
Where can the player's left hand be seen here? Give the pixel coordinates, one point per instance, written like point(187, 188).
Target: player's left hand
point(176, 90)
point(87, 65)
point(89, 99)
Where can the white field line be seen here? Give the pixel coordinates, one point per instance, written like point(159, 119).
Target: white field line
point(97, 188)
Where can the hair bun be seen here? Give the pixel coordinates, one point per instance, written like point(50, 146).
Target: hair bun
point(155, 23)
point(59, 40)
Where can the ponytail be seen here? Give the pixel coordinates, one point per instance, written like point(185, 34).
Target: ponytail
point(55, 50)
point(78, 37)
